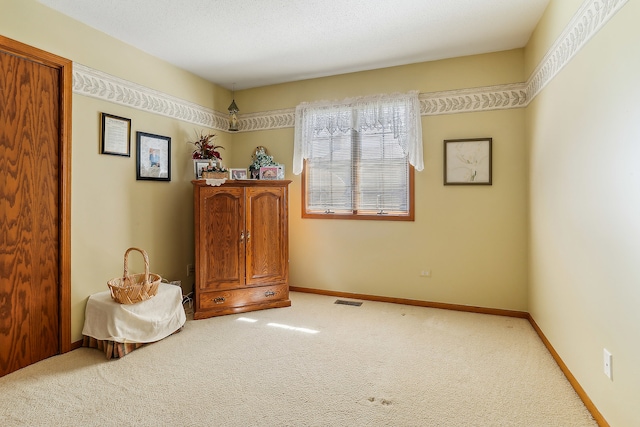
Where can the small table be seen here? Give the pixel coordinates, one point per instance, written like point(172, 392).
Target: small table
point(118, 329)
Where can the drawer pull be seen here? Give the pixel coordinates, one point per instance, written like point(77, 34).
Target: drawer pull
point(269, 294)
point(219, 300)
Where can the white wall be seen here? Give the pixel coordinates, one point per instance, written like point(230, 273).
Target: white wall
point(584, 135)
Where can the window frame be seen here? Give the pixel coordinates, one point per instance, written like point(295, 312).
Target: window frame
point(355, 215)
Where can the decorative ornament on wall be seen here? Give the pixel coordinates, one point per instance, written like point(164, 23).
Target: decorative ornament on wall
point(233, 111)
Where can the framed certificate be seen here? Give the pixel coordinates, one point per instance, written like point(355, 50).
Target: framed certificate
point(115, 135)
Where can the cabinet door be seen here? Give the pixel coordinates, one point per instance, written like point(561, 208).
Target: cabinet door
point(220, 238)
point(267, 236)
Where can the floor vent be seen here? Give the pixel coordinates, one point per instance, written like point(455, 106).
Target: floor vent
point(345, 302)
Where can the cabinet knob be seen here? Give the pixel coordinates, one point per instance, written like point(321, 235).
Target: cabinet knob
point(269, 294)
point(242, 236)
point(219, 300)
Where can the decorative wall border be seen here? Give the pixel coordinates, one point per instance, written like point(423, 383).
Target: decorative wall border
point(473, 100)
point(275, 119)
point(587, 21)
point(96, 84)
point(431, 104)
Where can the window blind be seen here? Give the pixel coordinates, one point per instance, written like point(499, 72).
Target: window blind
point(358, 155)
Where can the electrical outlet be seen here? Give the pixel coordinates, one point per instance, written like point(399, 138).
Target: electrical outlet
point(425, 273)
point(608, 358)
point(191, 270)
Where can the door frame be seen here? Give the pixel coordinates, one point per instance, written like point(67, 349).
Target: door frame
point(65, 66)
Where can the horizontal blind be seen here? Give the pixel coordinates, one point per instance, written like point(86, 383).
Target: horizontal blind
point(358, 155)
point(383, 174)
point(357, 172)
point(329, 177)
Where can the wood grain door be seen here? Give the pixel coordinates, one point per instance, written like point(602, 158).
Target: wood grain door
point(220, 238)
point(267, 236)
point(31, 129)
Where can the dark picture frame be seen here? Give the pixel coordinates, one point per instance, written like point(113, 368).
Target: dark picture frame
point(198, 165)
point(468, 161)
point(153, 157)
point(115, 135)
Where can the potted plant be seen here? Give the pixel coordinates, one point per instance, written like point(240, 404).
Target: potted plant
point(205, 149)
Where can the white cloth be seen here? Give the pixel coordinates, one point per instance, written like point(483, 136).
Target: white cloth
point(143, 322)
point(215, 182)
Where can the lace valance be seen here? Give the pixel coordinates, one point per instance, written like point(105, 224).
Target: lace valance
point(398, 114)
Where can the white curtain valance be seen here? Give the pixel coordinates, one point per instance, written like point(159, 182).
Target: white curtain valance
point(396, 113)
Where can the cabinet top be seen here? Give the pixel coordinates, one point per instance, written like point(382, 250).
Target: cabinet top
point(246, 183)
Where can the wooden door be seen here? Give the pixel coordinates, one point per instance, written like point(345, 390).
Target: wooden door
point(267, 236)
point(33, 206)
point(220, 238)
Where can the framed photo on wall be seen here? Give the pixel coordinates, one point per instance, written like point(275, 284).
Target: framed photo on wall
point(115, 135)
point(467, 161)
point(154, 157)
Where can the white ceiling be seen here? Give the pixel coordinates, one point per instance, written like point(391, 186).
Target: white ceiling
point(250, 43)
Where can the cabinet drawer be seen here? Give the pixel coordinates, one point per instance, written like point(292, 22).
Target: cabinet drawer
point(242, 297)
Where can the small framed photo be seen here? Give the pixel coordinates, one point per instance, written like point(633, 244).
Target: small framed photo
point(467, 161)
point(269, 172)
point(115, 135)
point(235, 173)
point(198, 166)
point(280, 171)
point(154, 157)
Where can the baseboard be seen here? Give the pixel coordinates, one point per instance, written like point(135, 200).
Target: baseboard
point(567, 373)
point(76, 345)
point(483, 310)
point(419, 303)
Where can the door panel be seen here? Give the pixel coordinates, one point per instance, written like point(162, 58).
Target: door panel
point(29, 212)
point(266, 247)
point(221, 238)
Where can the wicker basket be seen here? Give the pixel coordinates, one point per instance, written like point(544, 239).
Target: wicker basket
point(214, 175)
point(130, 289)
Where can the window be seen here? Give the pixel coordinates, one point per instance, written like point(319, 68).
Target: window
point(359, 157)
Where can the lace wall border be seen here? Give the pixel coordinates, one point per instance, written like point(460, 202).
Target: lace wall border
point(96, 84)
point(431, 104)
point(589, 19)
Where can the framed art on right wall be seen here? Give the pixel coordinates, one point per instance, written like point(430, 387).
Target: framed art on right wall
point(467, 161)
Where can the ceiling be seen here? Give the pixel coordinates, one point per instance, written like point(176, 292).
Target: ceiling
point(249, 43)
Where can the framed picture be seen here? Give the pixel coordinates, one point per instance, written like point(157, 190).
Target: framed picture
point(237, 173)
point(115, 135)
point(269, 172)
point(280, 171)
point(198, 166)
point(467, 161)
point(154, 157)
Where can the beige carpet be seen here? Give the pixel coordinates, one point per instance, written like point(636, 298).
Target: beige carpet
point(313, 364)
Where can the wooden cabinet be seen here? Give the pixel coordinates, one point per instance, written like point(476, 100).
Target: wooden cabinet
point(242, 247)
